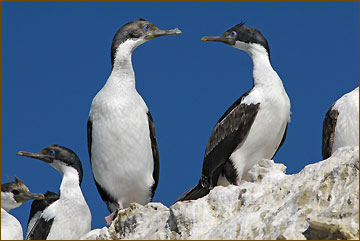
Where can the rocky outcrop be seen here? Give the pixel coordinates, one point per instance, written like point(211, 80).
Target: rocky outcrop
point(320, 202)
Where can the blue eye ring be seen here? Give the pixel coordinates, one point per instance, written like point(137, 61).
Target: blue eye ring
point(233, 34)
point(51, 152)
point(147, 27)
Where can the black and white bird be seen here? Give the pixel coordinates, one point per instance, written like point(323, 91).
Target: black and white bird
point(38, 206)
point(13, 194)
point(69, 216)
point(254, 127)
point(341, 124)
point(121, 134)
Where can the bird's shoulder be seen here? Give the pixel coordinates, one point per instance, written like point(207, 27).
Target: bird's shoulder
point(237, 117)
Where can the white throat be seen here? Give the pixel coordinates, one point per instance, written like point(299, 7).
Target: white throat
point(263, 73)
point(70, 182)
point(123, 73)
point(8, 202)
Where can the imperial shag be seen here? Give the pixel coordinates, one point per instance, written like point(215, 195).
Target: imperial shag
point(69, 216)
point(341, 124)
point(121, 134)
point(254, 127)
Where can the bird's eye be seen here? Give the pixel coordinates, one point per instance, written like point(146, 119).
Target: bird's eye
point(15, 192)
point(233, 34)
point(51, 152)
point(147, 27)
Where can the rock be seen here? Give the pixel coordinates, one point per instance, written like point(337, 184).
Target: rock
point(320, 202)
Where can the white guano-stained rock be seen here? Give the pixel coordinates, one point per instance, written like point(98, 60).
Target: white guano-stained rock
point(320, 202)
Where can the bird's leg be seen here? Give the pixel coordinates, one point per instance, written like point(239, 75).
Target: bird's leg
point(242, 179)
point(244, 176)
point(111, 217)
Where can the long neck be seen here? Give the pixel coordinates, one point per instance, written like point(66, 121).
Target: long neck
point(70, 183)
point(263, 73)
point(122, 75)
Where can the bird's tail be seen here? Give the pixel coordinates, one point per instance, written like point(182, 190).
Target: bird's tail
point(194, 193)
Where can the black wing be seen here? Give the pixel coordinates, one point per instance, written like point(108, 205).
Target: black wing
point(328, 132)
point(41, 229)
point(229, 132)
point(89, 136)
point(40, 205)
point(282, 141)
point(155, 152)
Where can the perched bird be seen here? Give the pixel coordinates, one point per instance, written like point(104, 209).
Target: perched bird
point(341, 124)
point(38, 206)
point(121, 134)
point(13, 194)
point(69, 216)
point(254, 127)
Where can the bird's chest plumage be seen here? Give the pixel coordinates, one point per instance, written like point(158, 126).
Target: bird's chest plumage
point(267, 130)
point(10, 227)
point(347, 124)
point(121, 147)
point(72, 217)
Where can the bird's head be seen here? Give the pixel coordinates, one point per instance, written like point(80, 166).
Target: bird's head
point(13, 194)
point(59, 157)
point(241, 37)
point(134, 33)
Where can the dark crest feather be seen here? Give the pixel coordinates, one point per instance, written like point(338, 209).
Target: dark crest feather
point(241, 24)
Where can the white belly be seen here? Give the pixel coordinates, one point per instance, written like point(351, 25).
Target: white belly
point(265, 134)
point(122, 160)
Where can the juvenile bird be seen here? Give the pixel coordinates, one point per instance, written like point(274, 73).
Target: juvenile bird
point(13, 194)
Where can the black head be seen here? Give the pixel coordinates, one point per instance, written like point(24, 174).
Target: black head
point(240, 34)
point(140, 30)
point(55, 153)
point(20, 191)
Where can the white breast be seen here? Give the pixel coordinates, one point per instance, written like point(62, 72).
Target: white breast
point(347, 125)
point(72, 217)
point(10, 227)
point(121, 153)
point(70, 221)
point(267, 130)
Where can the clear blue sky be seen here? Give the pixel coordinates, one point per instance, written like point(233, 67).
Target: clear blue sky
point(55, 57)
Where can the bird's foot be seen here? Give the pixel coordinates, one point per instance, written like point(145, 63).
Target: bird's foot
point(110, 218)
point(245, 176)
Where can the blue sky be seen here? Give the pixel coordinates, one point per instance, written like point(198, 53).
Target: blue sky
point(55, 57)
